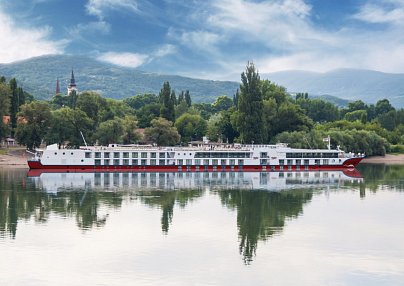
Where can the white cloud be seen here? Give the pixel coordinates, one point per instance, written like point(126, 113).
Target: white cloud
point(98, 7)
point(387, 11)
point(18, 43)
point(165, 50)
point(131, 60)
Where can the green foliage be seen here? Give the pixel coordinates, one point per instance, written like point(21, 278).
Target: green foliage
point(162, 132)
point(140, 100)
point(110, 131)
point(190, 127)
point(222, 103)
point(250, 115)
point(5, 92)
point(360, 115)
point(167, 100)
point(32, 128)
point(147, 113)
point(130, 134)
point(317, 109)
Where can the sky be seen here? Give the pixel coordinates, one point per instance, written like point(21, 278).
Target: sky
point(207, 38)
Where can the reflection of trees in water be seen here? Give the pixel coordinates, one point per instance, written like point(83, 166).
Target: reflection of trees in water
point(262, 214)
point(21, 200)
point(376, 175)
point(166, 202)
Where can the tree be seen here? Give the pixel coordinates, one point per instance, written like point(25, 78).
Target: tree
point(188, 98)
point(162, 132)
point(221, 103)
point(383, 106)
point(33, 125)
point(190, 127)
point(140, 100)
point(214, 131)
point(109, 131)
point(147, 113)
point(94, 105)
point(130, 134)
point(250, 107)
point(167, 101)
point(4, 107)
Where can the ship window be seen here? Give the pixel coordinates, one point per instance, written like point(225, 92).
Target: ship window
point(180, 162)
point(125, 162)
point(281, 162)
point(317, 161)
point(162, 155)
point(223, 162)
point(106, 155)
point(143, 155)
point(116, 162)
point(71, 153)
point(143, 162)
point(64, 153)
point(134, 155)
point(197, 161)
point(298, 162)
point(290, 162)
point(106, 162)
point(153, 161)
point(162, 162)
point(134, 162)
point(153, 155)
point(97, 162)
point(241, 162)
point(232, 162)
point(263, 154)
point(214, 162)
point(56, 153)
point(325, 162)
point(263, 161)
point(116, 154)
point(87, 154)
point(189, 162)
point(306, 162)
point(206, 162)
point(126, 154)
point(97, 155)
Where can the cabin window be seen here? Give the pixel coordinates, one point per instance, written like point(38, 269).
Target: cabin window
point(326, 162)
point(116, 154)
point(143, 162)
point(153, 155)
point(206, 162)
point(126, 154)
point(189, 162)
point(125, 162)
point(143, 154)
point(88, 154)
point(223, 162)
point(106, 162)
point(306, 162)
point(162, 155)
point(56, 153)
point(264, 155)
point(197, 161)
point(241, 162)
point(317, 161)
point(290, 162)
point(106, 155)
point(63, 153)
point(116, 162)
point(263, 161)
point(153, 161)
point(214, 162)
point(162, 162)
point(97, 162)
point(180, 162)
point(281, 162)
point(298, 162)
point(134, 155)
point(97, 154)
point(134, 162)
point(232, 162)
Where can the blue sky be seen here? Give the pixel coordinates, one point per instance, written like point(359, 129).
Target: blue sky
point(209, 39)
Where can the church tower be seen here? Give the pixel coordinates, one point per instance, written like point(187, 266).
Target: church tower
point(72, 85)
point(57, 87)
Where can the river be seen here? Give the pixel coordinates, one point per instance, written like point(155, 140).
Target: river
point(297, 228)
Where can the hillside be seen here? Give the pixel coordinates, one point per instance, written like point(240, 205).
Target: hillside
point(350, 84)
point(38, 77)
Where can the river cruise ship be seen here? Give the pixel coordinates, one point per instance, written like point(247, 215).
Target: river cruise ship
point(198, 156)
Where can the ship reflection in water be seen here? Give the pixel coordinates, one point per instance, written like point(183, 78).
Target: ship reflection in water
point(141, 181)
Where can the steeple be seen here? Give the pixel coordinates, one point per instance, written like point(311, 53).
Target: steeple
point(57, 87)
point(72, 85)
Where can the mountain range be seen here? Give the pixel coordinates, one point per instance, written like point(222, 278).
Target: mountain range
point(38, 76)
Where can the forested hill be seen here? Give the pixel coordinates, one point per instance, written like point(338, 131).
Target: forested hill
point(351, 84)
point(38, 77)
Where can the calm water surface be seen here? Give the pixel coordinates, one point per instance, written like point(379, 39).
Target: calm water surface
point(308, 228)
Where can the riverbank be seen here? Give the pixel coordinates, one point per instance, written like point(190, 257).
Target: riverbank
point(388, 159)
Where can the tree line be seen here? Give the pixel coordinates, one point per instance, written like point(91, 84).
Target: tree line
point(260, 112)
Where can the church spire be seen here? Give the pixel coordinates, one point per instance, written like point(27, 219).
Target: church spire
point(72, 85)
point(57, 87)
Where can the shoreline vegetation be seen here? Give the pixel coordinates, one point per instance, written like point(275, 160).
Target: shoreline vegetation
point(15, 157)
